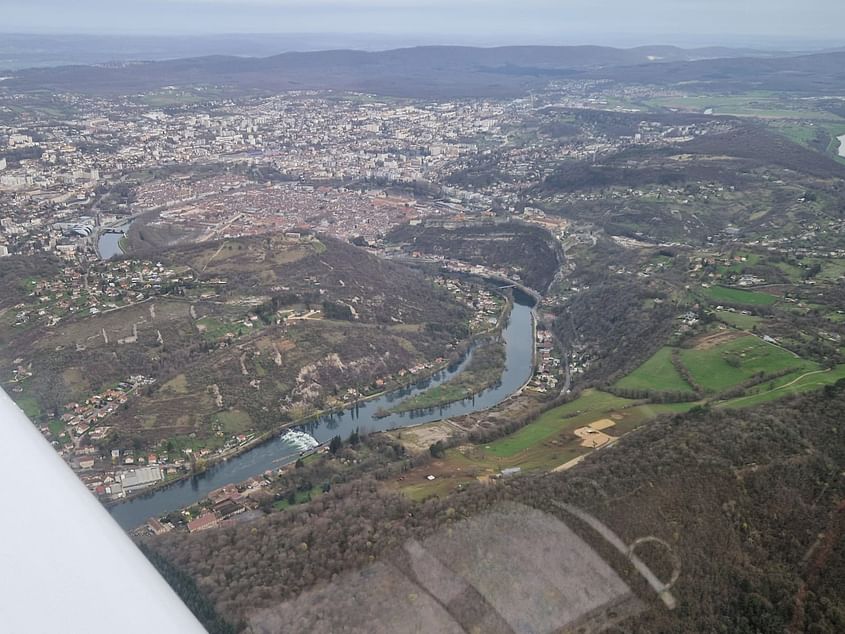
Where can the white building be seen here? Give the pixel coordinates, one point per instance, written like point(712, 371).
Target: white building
point(19, 140)
point(139, 478)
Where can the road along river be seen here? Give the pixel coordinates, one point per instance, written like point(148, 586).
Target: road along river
point(519, 364)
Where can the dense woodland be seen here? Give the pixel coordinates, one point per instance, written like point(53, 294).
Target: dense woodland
point(614, 326)
point(17, 270)
point(530, 250)
point(613, 323)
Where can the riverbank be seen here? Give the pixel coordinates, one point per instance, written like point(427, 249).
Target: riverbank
point(210, 463)
point(483, 371)
point(398, 388)
point(274, 452)
point(110, 240)
point(519, 335)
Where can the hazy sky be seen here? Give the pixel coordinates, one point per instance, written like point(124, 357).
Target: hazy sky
point(562, 21)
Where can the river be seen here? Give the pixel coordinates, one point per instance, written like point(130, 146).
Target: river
point(108, 244)
point(841, 145)
point(519, 350)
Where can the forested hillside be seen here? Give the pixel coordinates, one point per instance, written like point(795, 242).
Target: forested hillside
point(751, 503)
point(531, 251)
point(17, 270)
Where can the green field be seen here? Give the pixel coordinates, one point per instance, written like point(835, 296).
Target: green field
point(736, 296)
point(588, 408)
point(832, 270)
point(753, 104)
point(214, 328)
point(545, 444)
point(657, 373)
point(722, 359)
point(794, 273)
point(801, 134)
point(738, 320)
point(808, 133)
point(301, 498)
point(549, 441)
point(731, 363)
point(794, 383)
point(575, 414)
point(234, 421)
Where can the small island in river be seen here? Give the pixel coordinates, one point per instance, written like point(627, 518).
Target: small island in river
point(483, 370)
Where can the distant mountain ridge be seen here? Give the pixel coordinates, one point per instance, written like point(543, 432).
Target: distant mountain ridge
point(447, 71)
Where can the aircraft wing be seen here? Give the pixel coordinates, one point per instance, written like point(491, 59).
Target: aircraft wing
point(66, 565)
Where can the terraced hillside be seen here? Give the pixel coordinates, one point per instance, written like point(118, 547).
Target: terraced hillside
point(245, 335)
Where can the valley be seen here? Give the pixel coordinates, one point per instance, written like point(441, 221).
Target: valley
point(348, 315)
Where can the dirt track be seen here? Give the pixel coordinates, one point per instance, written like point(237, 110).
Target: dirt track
point(711, 341)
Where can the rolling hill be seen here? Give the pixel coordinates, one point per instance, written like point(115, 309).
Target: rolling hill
point(442, 71)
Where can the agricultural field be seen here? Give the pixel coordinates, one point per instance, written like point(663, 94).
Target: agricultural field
point(761, 104)
point(556, 438)
point(717, 362)
point(793, 383)
point(733, 360)
point(793, 272)
point(657, 373)
point(591, 403)
point(738, 320)
point(818, 135)
point(737, 296)
point(832, 270)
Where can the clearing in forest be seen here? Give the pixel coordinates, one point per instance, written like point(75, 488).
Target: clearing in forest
point(737, 296)
point(657, 373)
point(729, 363)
